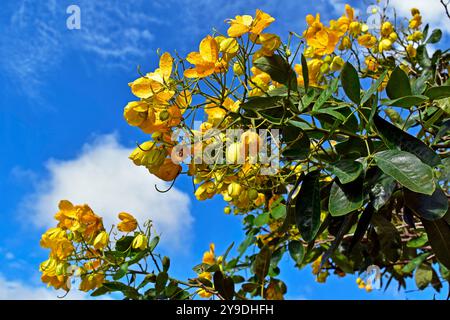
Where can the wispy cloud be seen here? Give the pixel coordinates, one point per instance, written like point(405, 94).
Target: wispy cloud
point(103, 177)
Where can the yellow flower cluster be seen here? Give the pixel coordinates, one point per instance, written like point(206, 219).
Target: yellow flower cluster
point(78, 244)
point(76, 224)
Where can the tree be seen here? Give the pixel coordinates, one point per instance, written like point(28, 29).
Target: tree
point(340, 161)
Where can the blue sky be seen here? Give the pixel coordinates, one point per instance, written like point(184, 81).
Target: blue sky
point(62, 133)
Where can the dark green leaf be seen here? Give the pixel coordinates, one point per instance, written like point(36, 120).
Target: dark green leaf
point(381, 190)
point(395, 137)
point(297, 143)
point(350, 83)
point(307, 206)
point(261, 103)
point(153, 243)
point(224, 285)
point(388, 237)
point(262, 263)
point(435, 36)
point(346, 170)
point(296, 251)
point(278, 69)
point(161, 281)
point(439, 236)
point(423, 57)
point(423, 276)
point(431, 207)
point(345, 198)
point(398, 85)
point(363, 224)
point(124, 243)
point(406, 101)
point(436, 93)
point(407, 169)
point(305, 72)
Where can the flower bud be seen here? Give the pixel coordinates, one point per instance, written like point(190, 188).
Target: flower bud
point(346, 43)
point(355, 28)
point(164, 115)
point(227, 210)
point(234, 189)
point(101, 240)
point(139, 242)
point(384, 45)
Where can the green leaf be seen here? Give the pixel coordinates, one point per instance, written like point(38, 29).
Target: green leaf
point(124, 243)
point(224, 285)
point(153, 243)
point(350, 83)
point(388, 237)
point(363, 224)
point(326, 94)
point(398, 85)
point(373, 88)
point(306, 205)
point(395, 137)
point(100, 291)
point(436, 93)
point(121, 272)
point(261, 264)
point(406, 101)
point(422, 57)
point(296, 251)
point(414, 263)
point(129, 292)
point(278, 212)
point(247, 242)
point(332, 112)
point(297, 143)
point(305, 72)
point(423, 276)
point(431, 207)
point(407, 169)
point(262, 219)
point(439, 236)
point(381, 190)
point(435, 36)
point(278, 69)
point(346, 170)
point(261, 103)
point(161, 281)
point(418, 242)
point(345, 198)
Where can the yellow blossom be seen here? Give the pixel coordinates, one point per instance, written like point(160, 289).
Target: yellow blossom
point(244, 24)
point(140, 242)
point(128, 222)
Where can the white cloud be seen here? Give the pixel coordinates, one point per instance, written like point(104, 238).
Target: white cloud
point(103, 177)
point(18, 290)
point(432, 11)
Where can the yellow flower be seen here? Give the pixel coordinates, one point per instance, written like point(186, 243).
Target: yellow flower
point(372, 63)
point(205, 191)
point(234, 189)
point(367, 40)
point(386, 29)
point(204, 294)
point(416, 20)
point(324, 41)
point(270, 42)
point(238, 69)
point(136, 112)
point(101, 240)
point(314, 75)
point(128, 222)
point(411, 51)
point(209, 256)
point(148, 155)
point(384, 45)
point(337, 63)
point(355, 28)
point(346, 43)
point(168, 171)
point(416, 36)
point(140, 242)
point(91, 281)
point(244, 24)
point(227, 45)
point(206, 61)
point(51, 236)
point(155, 84)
